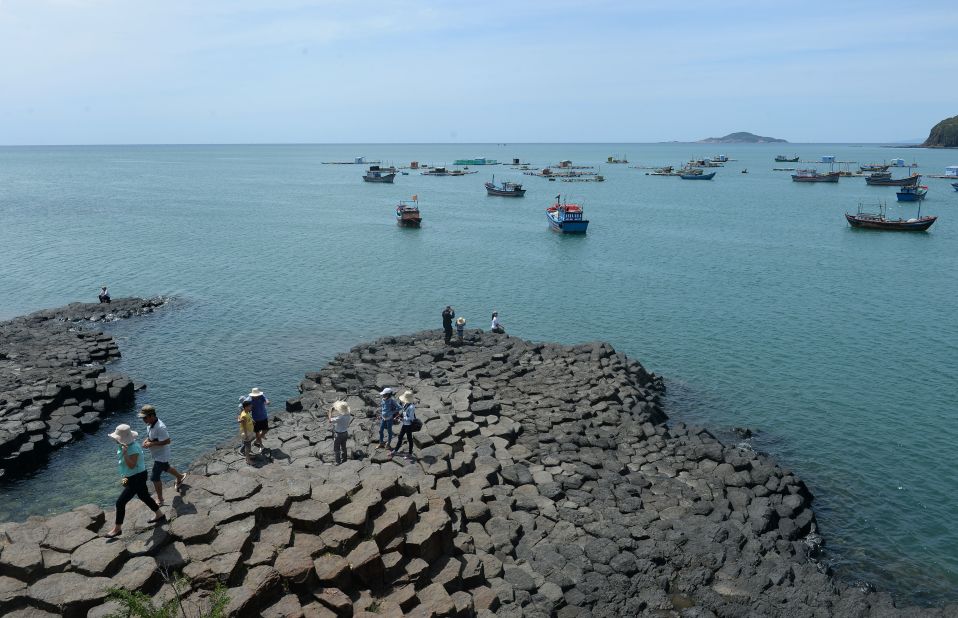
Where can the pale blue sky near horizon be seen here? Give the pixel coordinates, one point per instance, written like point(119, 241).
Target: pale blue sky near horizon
point(275, 71)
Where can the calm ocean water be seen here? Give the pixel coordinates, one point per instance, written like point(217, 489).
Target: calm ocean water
point(750, 294)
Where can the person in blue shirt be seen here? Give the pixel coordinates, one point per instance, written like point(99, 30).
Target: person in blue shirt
point(260, 416)
point(131, 464)
point(388, 408)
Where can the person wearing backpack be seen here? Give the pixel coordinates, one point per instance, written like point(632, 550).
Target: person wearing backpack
point(410, 424)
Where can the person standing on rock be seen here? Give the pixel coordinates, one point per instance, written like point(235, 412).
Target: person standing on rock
point(388, 408)
point(340, 416)
point(247, 433)
point(260, 416)
point(104, 294)
point(158, 441)
point(447, 315)
point(408, 418)
point(460, 325)
point(132, 467)
point(496, 326)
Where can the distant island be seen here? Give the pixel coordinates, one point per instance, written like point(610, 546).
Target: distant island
point(944, 134)
point(742, 137)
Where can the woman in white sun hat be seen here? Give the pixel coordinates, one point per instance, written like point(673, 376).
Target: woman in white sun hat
point(131, 464)
point(340, 417)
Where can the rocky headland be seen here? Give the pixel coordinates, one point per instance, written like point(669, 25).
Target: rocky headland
point(943, 135)
point(548, 482)
point(53, 381)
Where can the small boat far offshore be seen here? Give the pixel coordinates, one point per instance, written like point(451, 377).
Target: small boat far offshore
point(566, 218)
point(813, 175)
point(698, 176)
point(407, 215)
point(379, 174)
point(784, 159)
point(506, 189)
point(878, 221)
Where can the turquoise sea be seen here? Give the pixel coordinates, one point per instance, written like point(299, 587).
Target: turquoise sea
point(750, 294)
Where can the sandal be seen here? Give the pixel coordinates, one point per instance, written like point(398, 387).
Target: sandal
point(112, 534)
point(179, 481)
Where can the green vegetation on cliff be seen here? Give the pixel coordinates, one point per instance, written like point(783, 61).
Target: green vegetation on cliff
point(944, 134)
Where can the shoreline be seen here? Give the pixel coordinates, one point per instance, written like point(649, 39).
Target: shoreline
point(561, 497)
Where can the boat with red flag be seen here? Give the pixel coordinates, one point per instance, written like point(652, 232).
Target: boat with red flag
point(407, 215)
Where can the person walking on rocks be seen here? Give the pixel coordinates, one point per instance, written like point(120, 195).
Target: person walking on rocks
point(104, 294)
point(340, 416)
point(247, 433)
point(132, 467)
point(408, 417)
point(460, 325)
point(447, 315)
point(496, 325)
point(260, 416)
point(158, 441)
point(388, 408)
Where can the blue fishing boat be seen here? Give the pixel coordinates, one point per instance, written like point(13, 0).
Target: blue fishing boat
point(912, 194)
point(955, 185)
point(698, 176)
point(566, 218)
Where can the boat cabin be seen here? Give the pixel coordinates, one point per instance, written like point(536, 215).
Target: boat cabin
point(951, 171)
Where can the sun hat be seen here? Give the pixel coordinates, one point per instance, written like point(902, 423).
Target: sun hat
point(123, 434)
point(256, 392)
point(147, 410)
point(406, 397)
point(341, 406)
point(460, 320)
point(386, 391)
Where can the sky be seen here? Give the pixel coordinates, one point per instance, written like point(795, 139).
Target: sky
point(296, 71)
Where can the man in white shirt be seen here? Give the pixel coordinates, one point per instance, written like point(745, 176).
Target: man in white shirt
point(340, 417)
point(158, 442)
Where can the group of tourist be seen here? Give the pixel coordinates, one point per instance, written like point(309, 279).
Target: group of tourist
point(447, 321)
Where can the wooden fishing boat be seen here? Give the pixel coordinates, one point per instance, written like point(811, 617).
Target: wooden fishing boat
point(955, 185)
point(878, 221)
point(566, 218)
point(912, 194)
point(379, 174)
point(407, 215)
point(874, 167)
point(506, 189)
point(784, 159)
point(813, 175)
point(885, 180)
point(699, 176)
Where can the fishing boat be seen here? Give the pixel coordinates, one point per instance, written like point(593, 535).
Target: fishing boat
point(955, 185)
point(407, 215)
point(506, 189)
point(784, 159)
point(874, 167)
point(379, 174)
point(566, 218)
point(912, 194)
point(885, 180)
point(878, 221)
point(813, 175)
point(698, 176)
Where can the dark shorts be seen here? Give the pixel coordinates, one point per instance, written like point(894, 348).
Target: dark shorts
point(262, 425)
point(159, 467)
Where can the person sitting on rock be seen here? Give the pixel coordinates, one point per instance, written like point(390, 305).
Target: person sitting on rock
point(496, 325)
point(340, 417)
point(104, 295)
point(408, 416)
point(387, 412)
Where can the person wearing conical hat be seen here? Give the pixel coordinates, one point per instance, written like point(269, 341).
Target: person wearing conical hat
point(131, 463)
point(340, 416)
point(408, 417)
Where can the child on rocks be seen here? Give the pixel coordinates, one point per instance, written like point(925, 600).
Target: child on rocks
point(247, 434)
point(460, 325)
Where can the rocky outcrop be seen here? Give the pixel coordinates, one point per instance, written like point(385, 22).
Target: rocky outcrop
point(943, 135)
point(742, 137)
point(53, 383)
point(547, 483)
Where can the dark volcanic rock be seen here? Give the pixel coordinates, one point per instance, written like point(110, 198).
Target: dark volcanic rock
point(547, 485)
point(53, 384)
